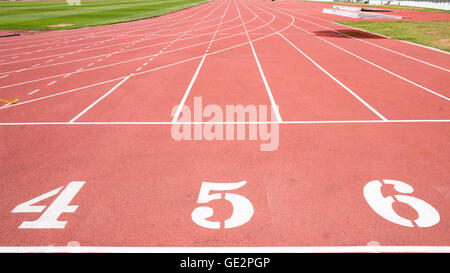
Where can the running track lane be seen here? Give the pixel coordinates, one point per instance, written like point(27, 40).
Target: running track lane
point(141, 186)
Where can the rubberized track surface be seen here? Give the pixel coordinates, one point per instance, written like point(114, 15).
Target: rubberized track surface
point(95, 106)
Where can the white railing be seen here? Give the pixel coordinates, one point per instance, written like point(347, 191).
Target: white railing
point(434, 4)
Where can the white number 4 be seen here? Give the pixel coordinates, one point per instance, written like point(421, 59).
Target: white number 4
point(49, 219)
point(242, 207)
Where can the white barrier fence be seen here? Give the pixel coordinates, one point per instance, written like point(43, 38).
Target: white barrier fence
point(434, 4)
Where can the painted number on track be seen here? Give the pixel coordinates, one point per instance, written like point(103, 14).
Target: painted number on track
point(427, 214)
point(49, 219)
point(242, 207)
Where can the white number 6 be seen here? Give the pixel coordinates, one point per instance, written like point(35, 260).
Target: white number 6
point(428, 215)
point(242, 207)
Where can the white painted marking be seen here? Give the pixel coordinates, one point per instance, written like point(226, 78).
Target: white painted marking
point(242, 207)
point(315, 122)
point(188, 90)
point(382, 205)
point(51, 83)
point(49, 219)
point(336, 80)
point(160, 44)
point(99, 99)
point(34, 91)
point(375, 45)
point(28, 205)
point(143, 72)
point(371, 63)
point(261, 72)
point(331, 76)
point(197, 71)
point(271, 249)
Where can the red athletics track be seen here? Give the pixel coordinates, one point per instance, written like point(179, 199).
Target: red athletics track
point(361, 164)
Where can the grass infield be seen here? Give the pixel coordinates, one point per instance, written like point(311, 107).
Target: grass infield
point(44, 15)
point(433, 33)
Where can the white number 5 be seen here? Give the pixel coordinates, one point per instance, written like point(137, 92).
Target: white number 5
point(427, 214)
point(242, 207)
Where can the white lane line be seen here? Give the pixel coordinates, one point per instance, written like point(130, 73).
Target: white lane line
point(230, 36)
point(67, 75)
point(271, 249)
point(300, 122)
point(161, 22)
point(4, 76)
point(336, 80)
point(67, 92)
point(138, 69)
point(371, 63)
point(261, 72)
point(34, 91)
point(51, 83)
point(188, 90)
point(99, 99)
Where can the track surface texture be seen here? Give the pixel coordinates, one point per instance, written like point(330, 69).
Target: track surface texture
point(89, 161)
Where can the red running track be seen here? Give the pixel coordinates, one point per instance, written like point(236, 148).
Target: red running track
point(361, 162)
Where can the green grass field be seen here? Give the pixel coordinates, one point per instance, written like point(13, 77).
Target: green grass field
point(42, 15)
point(434, 34)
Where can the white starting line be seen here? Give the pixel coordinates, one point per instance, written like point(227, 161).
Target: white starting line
point(226, 122)
point(336, 249)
